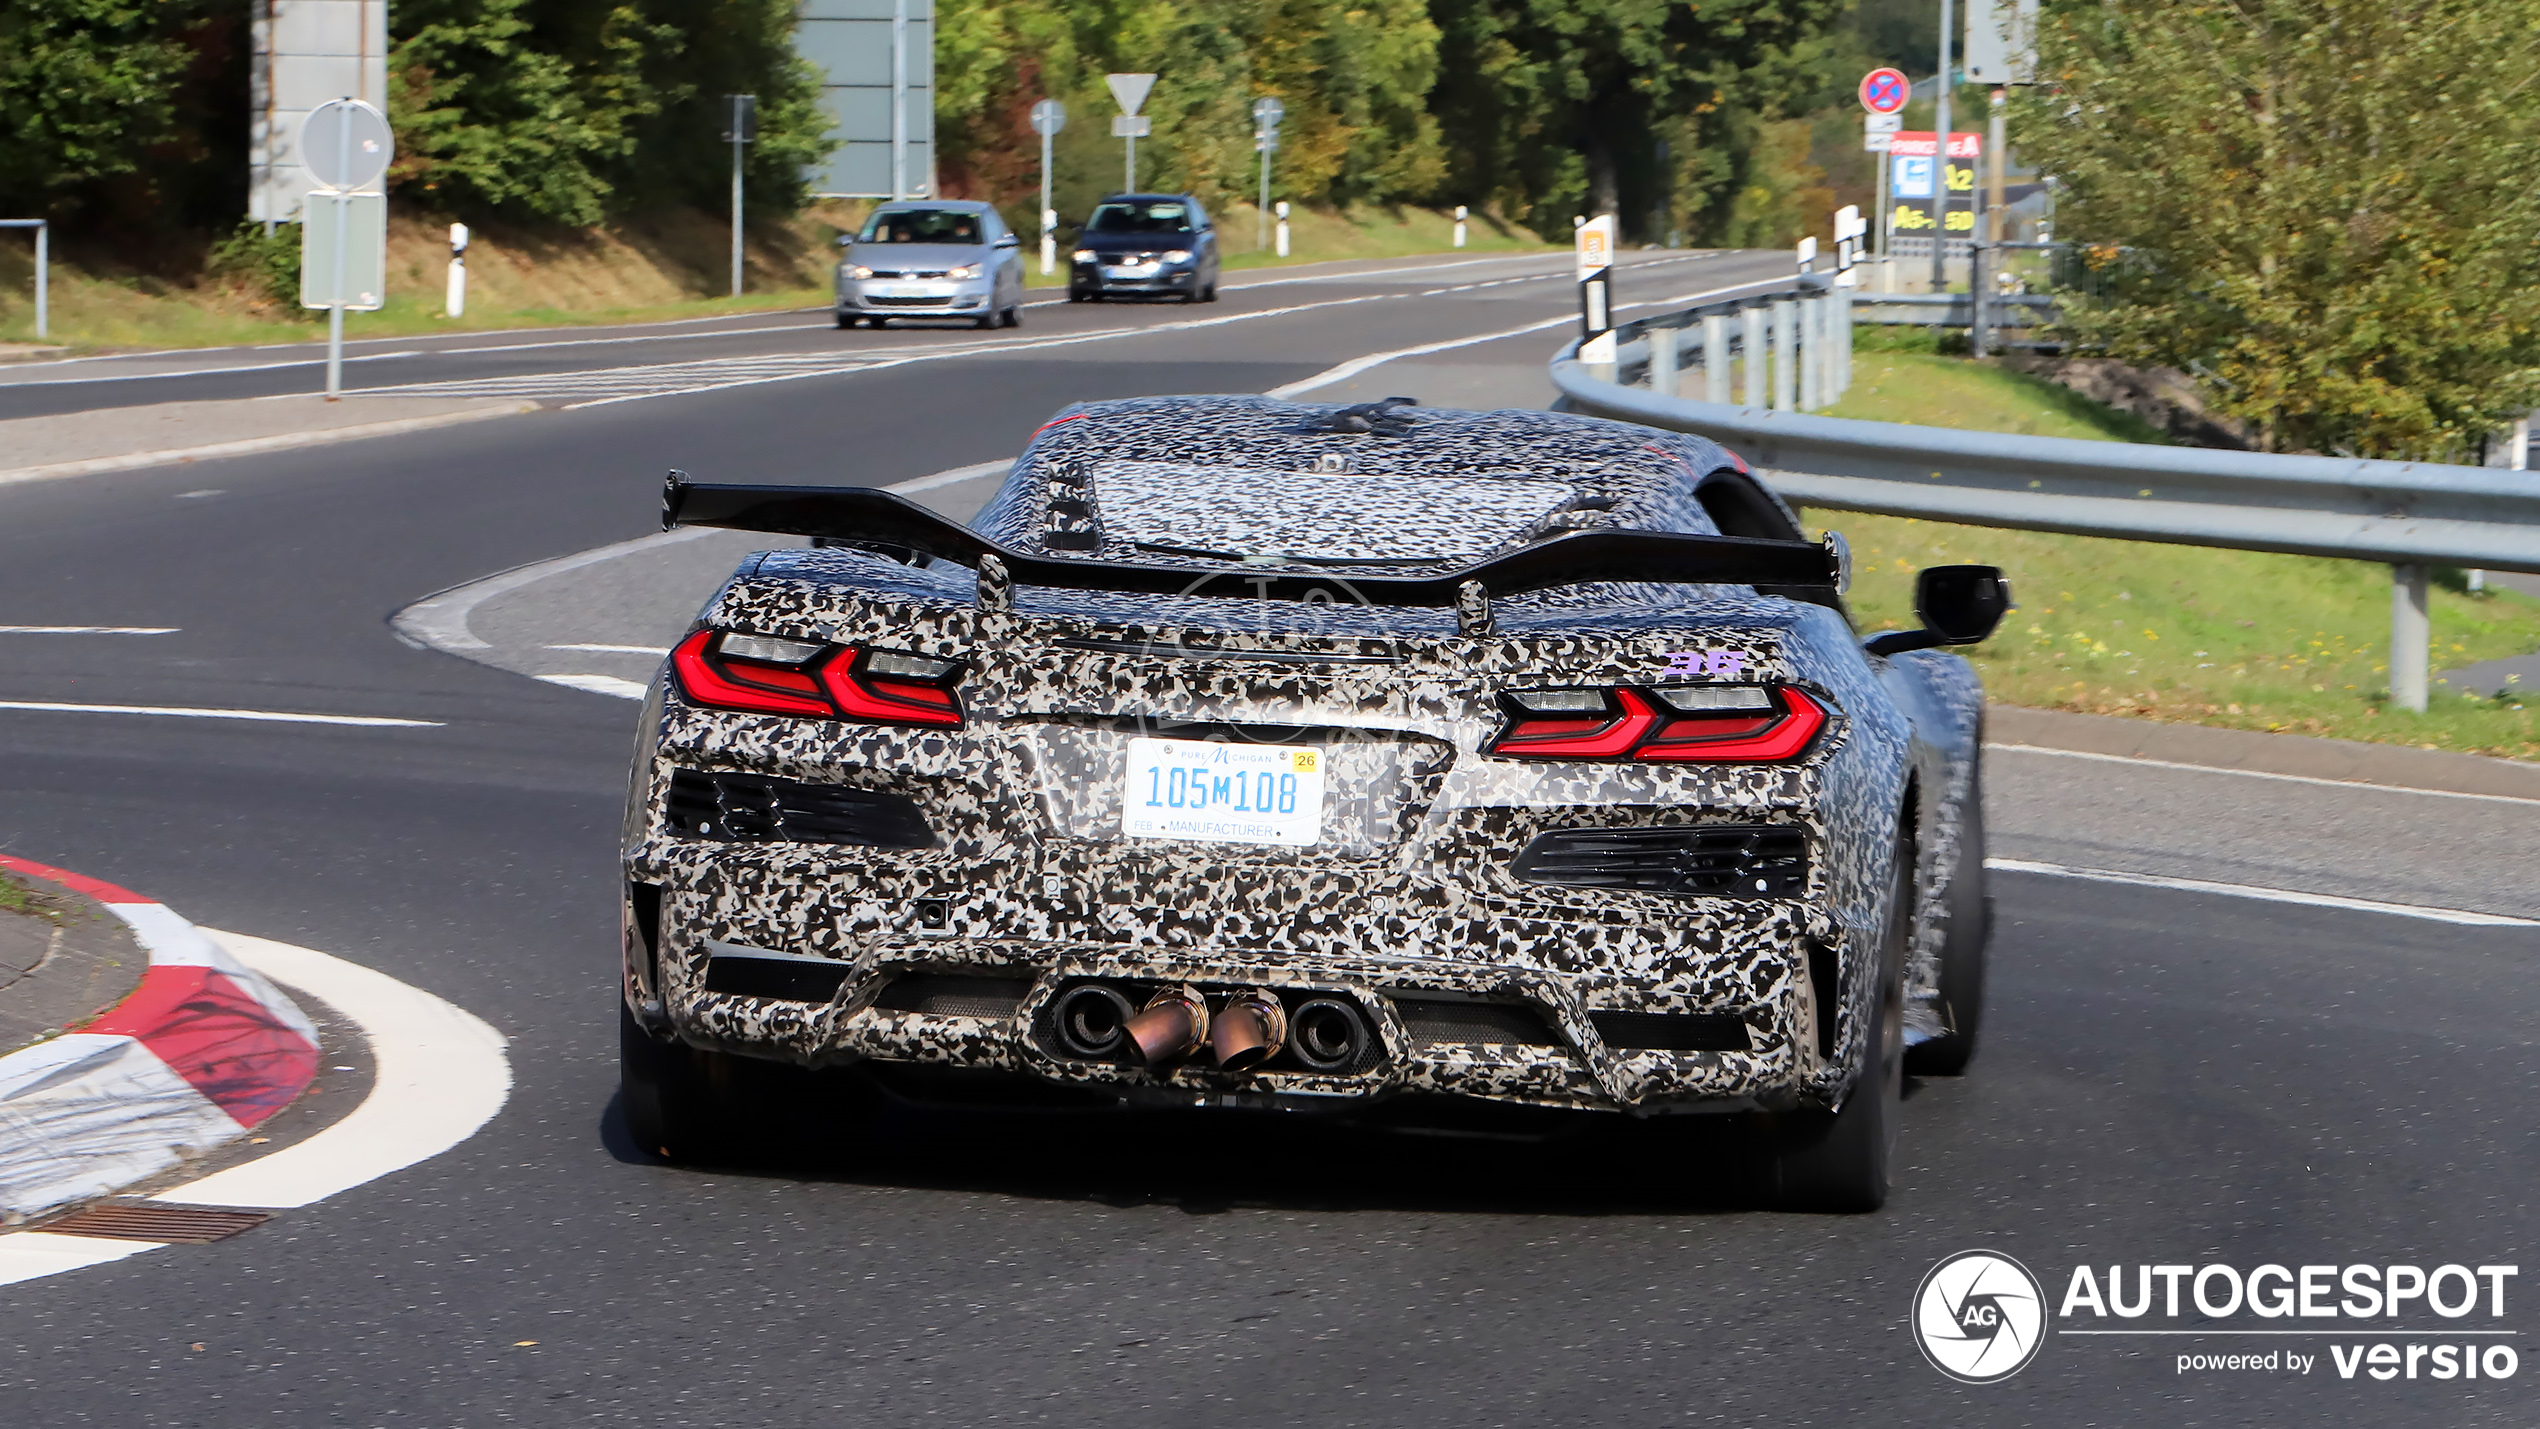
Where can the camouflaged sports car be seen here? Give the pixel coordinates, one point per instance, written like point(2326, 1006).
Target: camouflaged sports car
point(1247, 754)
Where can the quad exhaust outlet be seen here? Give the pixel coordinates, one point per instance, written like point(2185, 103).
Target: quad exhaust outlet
point(1173, 1026)
point(1246, 1030)
point(1249, 1030)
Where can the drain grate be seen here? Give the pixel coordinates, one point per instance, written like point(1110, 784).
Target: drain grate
point(188, 1225)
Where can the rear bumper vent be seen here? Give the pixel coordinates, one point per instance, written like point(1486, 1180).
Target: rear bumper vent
point(793, 979)
point(954, 995)
point(1430, 1023)
point(1705, 861)
point(753, 808)
point(1672, 1031)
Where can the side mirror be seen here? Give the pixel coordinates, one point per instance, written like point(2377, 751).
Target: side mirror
point(1009, 241)
point(846, 240)
point(1958, 605)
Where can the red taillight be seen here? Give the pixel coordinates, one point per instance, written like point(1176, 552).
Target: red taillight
point(830, 682)
point(1638, 726)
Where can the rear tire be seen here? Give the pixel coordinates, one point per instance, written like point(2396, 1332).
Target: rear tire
point(677, 1099)
point(1838, 1161)
point(877, 322)
point(846, 320)
point(1014, 316)
point(1962, 950)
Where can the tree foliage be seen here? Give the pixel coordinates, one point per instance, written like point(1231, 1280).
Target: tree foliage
point(107, 105)
point(2324, 208)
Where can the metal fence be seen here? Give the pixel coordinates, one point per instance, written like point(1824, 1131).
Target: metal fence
point(2413, 515)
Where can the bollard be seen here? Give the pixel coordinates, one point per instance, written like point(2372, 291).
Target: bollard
point(1715, 358)
point(1662, 359)
point(1751, 347)
point(1785, 350)
point(1812, 353)
point(2410, 632)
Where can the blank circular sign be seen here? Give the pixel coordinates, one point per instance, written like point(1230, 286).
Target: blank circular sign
point(345, 144)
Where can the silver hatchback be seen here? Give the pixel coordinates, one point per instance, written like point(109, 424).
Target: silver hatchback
point(935, 258)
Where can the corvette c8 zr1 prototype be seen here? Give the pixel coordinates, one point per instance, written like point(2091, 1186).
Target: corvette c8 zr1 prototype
point(1243, 753)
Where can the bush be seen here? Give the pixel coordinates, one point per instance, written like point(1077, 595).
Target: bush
point(265, 264)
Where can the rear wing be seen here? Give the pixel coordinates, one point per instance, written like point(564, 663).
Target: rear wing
point(876, 520)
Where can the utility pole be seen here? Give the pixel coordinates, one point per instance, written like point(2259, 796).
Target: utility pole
point(741, 129)
point(1049, 116)
point(1988, 312)
point(1940, 164)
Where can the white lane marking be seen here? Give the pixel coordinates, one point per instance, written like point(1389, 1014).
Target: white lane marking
point(616, 649)
point(32, 1255)
point(1342, 372)
point(439, 621)
point(88, 630)
point(441, 1073)
point(181, 712)
point(2258, 774)
point(954, 477)
point(2270, 895)
point(210, 371)
point(598, 685)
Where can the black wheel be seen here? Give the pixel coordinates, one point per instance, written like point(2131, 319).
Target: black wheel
point(846, 319)
point(1838, 1160)
point(1075, 295)
point(1211, 295)
point(877, 322)
point(987, 320)
point(678, 1101)
point(1962, 950)
point(1014, 316)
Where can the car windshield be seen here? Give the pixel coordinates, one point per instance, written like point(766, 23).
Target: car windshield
point(921, 225)
point(1140, 218)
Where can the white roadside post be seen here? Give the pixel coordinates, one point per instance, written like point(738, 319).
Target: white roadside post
point(1785, 353)
point(2410, 633)
point(1130, 90)
point(1849, 230)
point(1801, 352)
point(1282, 234)
point(740, 128)
point(454, 295)
point(1266, 114)
point(2517, 458)
point(43, 260)
point(1595, 253)
point(344, 228)
point(1752, 343)
point(1459, 225)
point(1048, 117)
point(1715, 358)
point(1662, 358)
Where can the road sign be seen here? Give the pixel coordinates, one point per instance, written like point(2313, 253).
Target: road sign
point(1883, 123)
point(1131, 126)
point(1130, 90)
point(1048, 117)
point(740, 119)
point(1266, 113)
point(1884, 91)
point(345, 144)
point(357, 279)
point(2001, 42)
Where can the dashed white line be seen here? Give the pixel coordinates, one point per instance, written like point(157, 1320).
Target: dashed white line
point(184, 712)
point(2258, 774)
point(2270, 895)
point(88, 630)
point(598, 685)
point(615, 649)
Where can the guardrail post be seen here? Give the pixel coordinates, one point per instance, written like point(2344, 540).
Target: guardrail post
point(1662, 358)
point(1752, 349)
point(1785, 345)
point(1843, 341)
point(1715, 358)
point(1812, 353)
point(2410, 634)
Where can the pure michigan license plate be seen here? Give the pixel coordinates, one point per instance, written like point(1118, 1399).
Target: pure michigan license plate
point(1224, 793)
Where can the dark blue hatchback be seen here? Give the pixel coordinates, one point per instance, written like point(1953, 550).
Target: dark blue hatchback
point(1145, 244)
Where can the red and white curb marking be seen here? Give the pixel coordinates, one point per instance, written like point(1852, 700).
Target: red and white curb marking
point(201, 1053)
point(438, 1074)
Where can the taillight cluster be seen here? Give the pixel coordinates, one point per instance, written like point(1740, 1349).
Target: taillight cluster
point(762, 674)
point(1744, 724)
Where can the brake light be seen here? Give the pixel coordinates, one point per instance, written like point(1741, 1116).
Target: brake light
point(762, 675)
point(1745, 724)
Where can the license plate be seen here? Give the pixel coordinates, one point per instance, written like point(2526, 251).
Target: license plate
point(907, 290)
point(1223, 793)
point(1134, 270)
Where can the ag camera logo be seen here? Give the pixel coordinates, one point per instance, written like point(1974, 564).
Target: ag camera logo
point(1979, 1316)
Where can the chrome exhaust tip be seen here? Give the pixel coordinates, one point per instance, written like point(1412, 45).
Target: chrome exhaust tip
point(1173, 1026)
point(1249, 1030)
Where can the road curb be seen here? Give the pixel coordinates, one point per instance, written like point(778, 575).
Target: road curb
point(202, 1052)
point(134, 461)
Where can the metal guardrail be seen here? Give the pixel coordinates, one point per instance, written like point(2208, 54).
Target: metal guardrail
point(2410, 514)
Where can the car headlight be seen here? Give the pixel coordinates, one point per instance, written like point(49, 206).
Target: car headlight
point(1175, 257)
point(1083, 255)
point(967, 270)
point(858, 271)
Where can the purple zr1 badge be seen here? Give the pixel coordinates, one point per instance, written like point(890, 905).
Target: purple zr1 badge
point(1704, 662)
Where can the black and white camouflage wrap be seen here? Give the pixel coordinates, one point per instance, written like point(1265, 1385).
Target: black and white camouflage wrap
point(1409, 888)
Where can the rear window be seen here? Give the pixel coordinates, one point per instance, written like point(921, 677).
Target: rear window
point(922, 225)
point(1167, 217)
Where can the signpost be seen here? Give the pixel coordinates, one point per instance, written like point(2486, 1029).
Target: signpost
point(1885, 92)
point(1595, 240)
point(740, 127)
point(1941, 87)
point(1048, 117)
point(1131, 92)
point(454, 295)
point(1266, 114)
point(344, 230)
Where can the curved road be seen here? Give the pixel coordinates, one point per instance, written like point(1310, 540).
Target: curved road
point(2170, 1077)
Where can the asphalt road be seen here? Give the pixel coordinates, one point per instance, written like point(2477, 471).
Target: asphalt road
point(2168, 1077)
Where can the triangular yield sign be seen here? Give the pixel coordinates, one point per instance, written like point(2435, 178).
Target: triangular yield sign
point(1130, 90)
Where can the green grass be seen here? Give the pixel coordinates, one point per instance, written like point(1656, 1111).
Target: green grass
point(16, 897)
point(2239, 639)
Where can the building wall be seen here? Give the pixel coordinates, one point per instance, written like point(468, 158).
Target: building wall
point(306, 53)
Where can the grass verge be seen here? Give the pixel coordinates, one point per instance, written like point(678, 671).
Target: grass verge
point(2241, 639)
